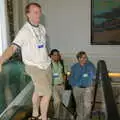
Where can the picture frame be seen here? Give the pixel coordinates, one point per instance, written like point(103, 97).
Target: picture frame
point(105, 22)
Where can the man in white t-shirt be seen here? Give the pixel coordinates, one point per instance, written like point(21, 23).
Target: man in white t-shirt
point(31, 40)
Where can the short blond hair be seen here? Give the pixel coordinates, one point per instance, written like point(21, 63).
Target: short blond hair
point(30, 4)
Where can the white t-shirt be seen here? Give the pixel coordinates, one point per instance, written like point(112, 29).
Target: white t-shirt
point(33, 45)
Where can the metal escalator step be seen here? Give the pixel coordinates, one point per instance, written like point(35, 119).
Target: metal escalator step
point(20, 116)
point(22, 113)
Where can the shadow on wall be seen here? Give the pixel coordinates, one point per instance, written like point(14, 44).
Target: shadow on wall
point(43, 22)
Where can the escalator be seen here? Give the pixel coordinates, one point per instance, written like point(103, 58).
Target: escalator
point(109, 97)
point(16, 92)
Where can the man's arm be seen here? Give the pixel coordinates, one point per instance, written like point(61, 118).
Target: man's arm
point(7, 54)
point(71, 78)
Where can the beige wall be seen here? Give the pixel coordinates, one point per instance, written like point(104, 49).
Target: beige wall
point(68, 26)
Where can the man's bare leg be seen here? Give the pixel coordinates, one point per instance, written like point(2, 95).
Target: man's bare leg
point(44, 104)
point(36, 104)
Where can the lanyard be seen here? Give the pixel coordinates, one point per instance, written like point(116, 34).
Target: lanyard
point(56, 67)
point(39, 38)
point(38, 34)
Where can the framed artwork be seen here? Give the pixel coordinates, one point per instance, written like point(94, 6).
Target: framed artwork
point(105, 22)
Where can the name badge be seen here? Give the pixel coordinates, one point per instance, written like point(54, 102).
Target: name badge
point(40, 46)
point(85, 75)
point(55, 75)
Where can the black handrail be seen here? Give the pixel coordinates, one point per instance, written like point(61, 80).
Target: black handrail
point(94, 96)
point(111, 107)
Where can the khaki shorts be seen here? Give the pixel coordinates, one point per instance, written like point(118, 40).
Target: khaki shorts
point(41, 79)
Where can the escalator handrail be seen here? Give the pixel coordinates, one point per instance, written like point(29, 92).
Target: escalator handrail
point(111, 107)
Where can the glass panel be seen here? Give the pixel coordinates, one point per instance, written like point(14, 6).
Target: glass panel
point(13, 80)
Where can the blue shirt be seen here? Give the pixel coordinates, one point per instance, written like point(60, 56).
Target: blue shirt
point(82, 75)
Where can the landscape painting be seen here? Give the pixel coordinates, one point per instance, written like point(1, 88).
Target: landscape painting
point(105, 22)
